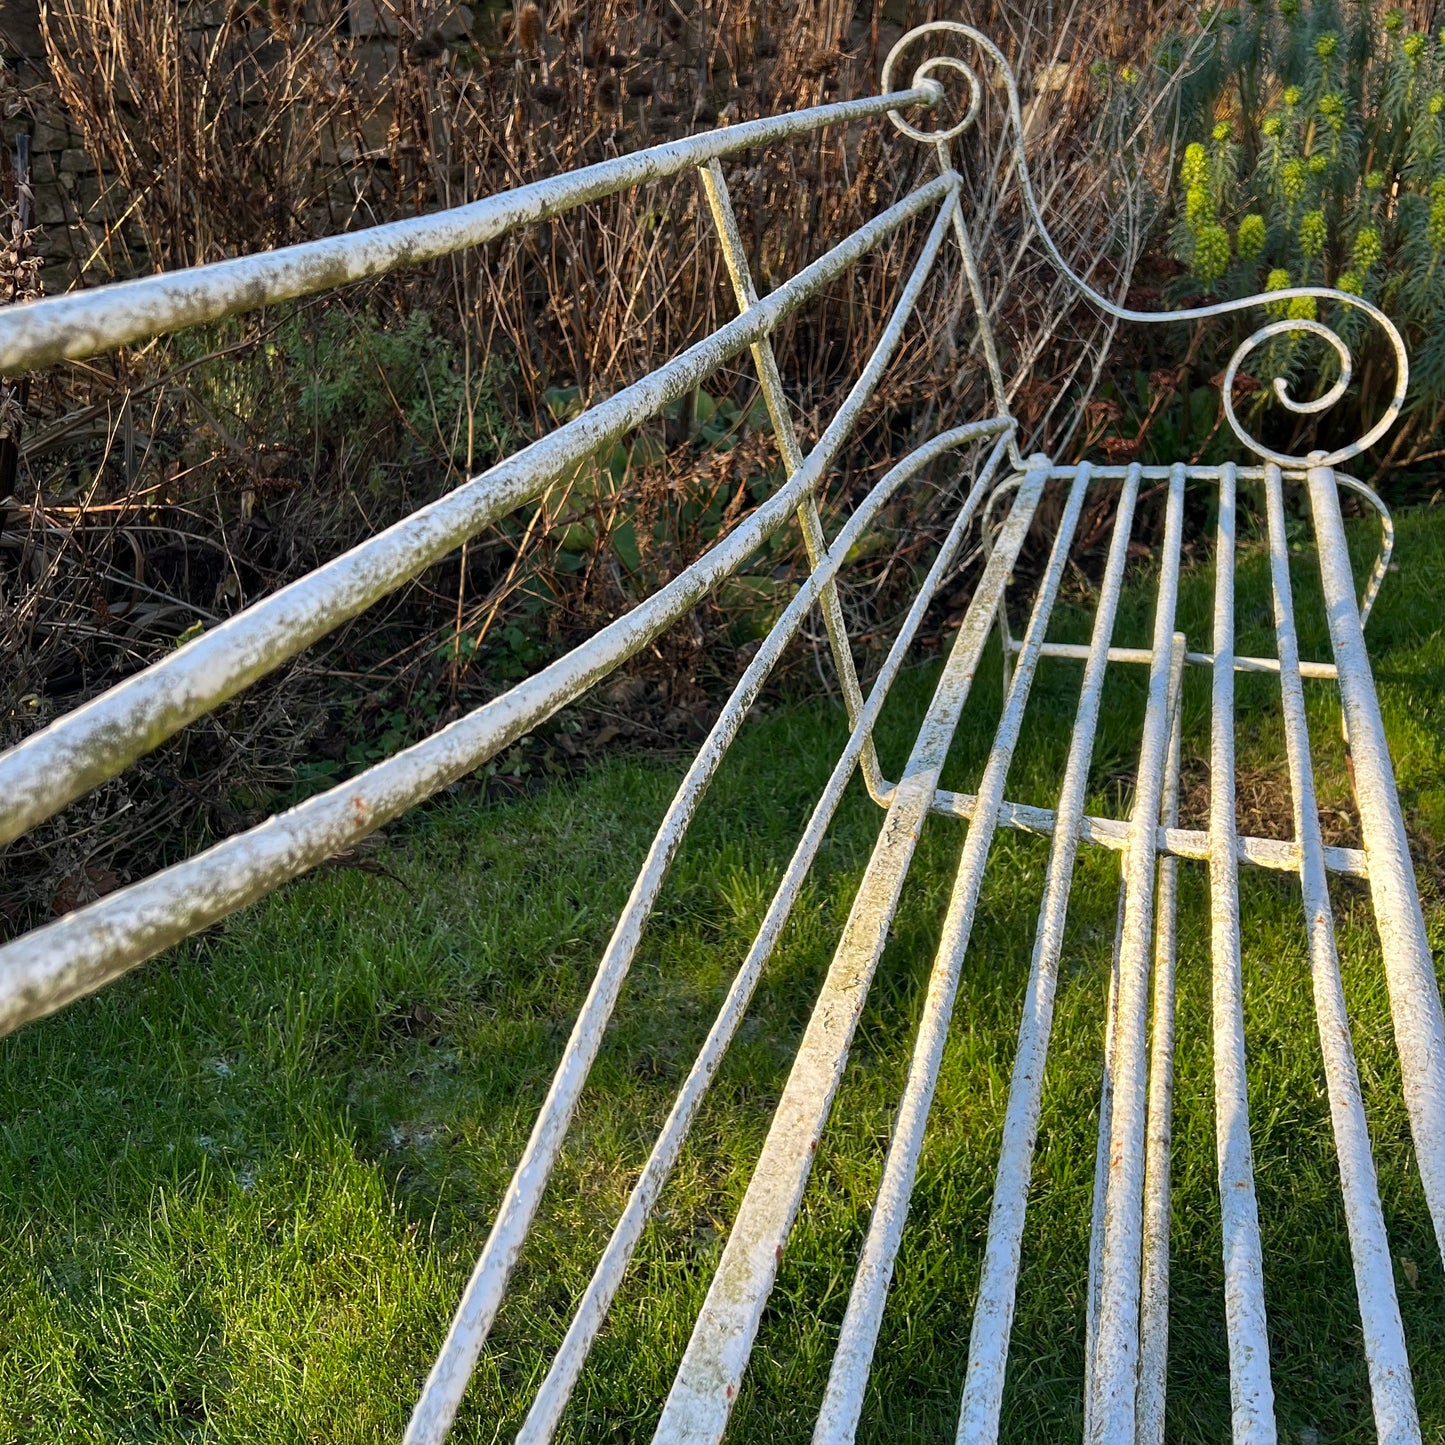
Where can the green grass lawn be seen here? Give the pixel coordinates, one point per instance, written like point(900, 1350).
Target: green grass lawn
point(242, 1189)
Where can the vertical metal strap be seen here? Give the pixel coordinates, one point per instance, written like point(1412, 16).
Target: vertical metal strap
point(995, 374)
point(1250, 1389)
point(447, 1382)
point(1409, 969)
point(1154, 1285)
point(546, 1411)
point(998, 1283)
point(707, 1381)
point(1116, 1360)
point(719, 200)
point(1396, 1422)
point(847, 1381)
point(980, 305)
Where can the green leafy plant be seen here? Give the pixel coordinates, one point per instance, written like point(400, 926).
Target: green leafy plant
point(333, 380)
point(1316, 156)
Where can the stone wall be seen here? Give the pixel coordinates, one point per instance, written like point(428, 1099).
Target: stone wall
point(66, 186)
point(83, 211)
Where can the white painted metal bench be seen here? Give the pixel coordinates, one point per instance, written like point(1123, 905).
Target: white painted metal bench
point(1127, 1321)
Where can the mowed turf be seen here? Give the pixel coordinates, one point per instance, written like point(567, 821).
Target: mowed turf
point(242, 1189)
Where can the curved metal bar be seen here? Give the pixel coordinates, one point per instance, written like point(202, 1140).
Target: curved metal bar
point(82, 951)
point(1387, 542)
point(65, 960)
point(1405, 946)
point(847, 1381)
point(85, 322)
point(51, 768)
point(591, 1311)
point(1396, 1418)
point(937, 62)
point(707, 1381)
point(452, 1371)
point(1251, 1389)
point(1191, 313)
point(998, 1281)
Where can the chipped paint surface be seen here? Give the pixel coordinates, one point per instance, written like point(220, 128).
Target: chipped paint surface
point(82, 749)
point(1126, 1322)
point(1251, 1390)
point(552, 1397)
point(993, 1312)
point(847, 1382)
point(1389, 1365)
point(1409, 969)
point(84, 323)
point(701, 1398)
point(1112, 1402)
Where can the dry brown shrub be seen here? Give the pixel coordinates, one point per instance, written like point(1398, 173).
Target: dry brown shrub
point(231, 127)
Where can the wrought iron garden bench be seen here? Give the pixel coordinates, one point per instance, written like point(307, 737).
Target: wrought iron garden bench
point(1127, 1312)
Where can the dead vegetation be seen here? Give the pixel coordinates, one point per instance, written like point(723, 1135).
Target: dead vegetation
point(165, 487)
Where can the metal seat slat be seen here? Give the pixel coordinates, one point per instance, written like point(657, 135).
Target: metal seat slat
point(1126, 1316)
point(1250, 1387)
point(1389, 1366)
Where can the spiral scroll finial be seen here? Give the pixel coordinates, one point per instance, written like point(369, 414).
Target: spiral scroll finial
point(924, 74)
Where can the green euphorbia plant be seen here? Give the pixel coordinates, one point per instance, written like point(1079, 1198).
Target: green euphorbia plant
point(1314, 155)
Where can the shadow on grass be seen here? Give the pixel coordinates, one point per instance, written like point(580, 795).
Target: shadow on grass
point(244, 1187)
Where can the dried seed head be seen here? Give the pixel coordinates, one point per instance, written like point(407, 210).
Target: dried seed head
point(639, 87)
point(667, 107)
point(705, 113)
point(650, 51)
point(530, 29)
point(765, 47)
point(547, 94)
